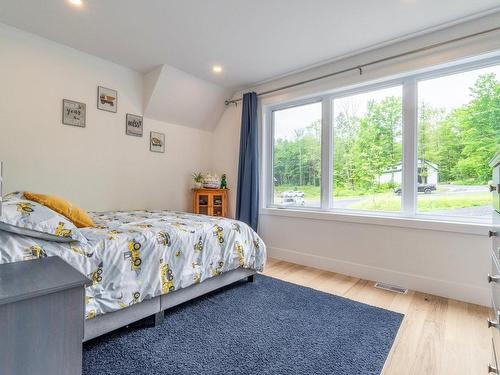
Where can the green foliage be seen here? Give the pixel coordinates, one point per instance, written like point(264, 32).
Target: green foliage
point(197, 177)
point(462, 142)
point(298, 162)
point(364, 148)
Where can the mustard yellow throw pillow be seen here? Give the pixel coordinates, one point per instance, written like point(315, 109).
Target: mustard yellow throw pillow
point(75, 214)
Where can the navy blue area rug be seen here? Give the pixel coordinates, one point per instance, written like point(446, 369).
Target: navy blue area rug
point(266, 327)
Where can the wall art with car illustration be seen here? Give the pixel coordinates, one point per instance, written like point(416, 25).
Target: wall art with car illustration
point(134, 125)
point(157, 142)
point(107, 99)
point(73, 113)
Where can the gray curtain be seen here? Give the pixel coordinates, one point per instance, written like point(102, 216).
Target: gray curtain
point(247, 198)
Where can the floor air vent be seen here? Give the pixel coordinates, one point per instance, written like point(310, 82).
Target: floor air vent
point(391, 288)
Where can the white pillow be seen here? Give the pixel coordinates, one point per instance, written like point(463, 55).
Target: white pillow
point(28, 218)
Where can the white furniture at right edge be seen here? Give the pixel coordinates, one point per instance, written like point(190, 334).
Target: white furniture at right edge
point(494, 277)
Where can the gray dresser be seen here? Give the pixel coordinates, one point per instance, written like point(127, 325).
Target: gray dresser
point(41, 318)
point(494, 276)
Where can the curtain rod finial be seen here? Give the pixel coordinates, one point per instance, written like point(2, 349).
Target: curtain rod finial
point(235, 102)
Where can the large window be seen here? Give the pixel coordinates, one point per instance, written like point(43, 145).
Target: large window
point(297, 155)
point(367, 150)
point(412, 146)
point(458, 133)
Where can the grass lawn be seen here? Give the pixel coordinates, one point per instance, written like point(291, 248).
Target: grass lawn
point(425, 202)
point(379, 202)
point(388, 201)
point(433, 203)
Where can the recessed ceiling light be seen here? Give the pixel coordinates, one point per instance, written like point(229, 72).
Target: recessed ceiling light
point(76, 2)
point(217, 68)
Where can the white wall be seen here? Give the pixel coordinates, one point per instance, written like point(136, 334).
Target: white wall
point(441, 262)
point(226, 150)
point(182, 98)
point(98, 167)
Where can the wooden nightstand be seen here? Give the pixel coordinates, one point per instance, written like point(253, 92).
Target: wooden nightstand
point(41, 317)
point(212, 202)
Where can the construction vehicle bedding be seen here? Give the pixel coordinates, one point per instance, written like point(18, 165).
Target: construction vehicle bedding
point(136, 255)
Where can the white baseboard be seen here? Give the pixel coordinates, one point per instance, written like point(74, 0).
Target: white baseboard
point(438, 287)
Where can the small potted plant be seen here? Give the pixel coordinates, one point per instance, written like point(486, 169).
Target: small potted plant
point(198, 180)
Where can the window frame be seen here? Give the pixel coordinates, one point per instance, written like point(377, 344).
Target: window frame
point(409, 83)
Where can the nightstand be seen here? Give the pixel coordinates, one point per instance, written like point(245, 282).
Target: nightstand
point(41, 317)
point(212, 202)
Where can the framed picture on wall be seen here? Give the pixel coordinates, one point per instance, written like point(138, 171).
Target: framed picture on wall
point(134, 125)
point(107, 99)
point(157, 142)
point(73, 113)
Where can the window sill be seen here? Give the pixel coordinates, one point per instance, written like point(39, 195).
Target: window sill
point(395, 220)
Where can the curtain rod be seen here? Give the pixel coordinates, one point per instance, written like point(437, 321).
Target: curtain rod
point(360, 67)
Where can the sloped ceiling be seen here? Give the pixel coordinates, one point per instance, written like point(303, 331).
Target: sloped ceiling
point(174, 96)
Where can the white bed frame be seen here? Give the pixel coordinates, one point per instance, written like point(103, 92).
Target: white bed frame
point(153, 307)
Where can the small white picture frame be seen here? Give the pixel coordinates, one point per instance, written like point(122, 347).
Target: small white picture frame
point(74, 113)
point(157, 142)
point(134, 125)
point(107, 99)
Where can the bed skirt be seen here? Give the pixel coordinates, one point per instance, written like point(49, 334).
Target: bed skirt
point(111, 321)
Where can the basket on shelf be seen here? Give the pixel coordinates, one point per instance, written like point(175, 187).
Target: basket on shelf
point(211, 182)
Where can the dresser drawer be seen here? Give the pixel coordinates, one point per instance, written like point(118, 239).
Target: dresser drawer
point(494, 326)
point(495, 239)
point(493, 365)
point(495, 183)
point(495, 244)
point(494, 280)
point(495, 196)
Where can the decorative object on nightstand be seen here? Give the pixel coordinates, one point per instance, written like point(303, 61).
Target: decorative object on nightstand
point(223, 182)
point(211, 181)
point(198, 180)
point(212, 202)
point(41, 317)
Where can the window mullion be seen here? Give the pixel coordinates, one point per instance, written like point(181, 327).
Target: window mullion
point(268, 157)
point(409, 177)
point(326, 154)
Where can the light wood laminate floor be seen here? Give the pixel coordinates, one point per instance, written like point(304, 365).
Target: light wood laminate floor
point(437, 336)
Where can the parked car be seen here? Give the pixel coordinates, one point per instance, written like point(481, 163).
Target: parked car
point(422, 188)
point(293, 198)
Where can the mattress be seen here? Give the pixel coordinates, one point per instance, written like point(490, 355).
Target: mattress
point(137, 255)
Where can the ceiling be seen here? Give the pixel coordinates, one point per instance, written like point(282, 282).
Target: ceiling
point(252, 40)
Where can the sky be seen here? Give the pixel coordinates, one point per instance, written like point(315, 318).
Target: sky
point(447, 92)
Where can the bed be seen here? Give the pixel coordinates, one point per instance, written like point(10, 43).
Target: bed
point(144, 262)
